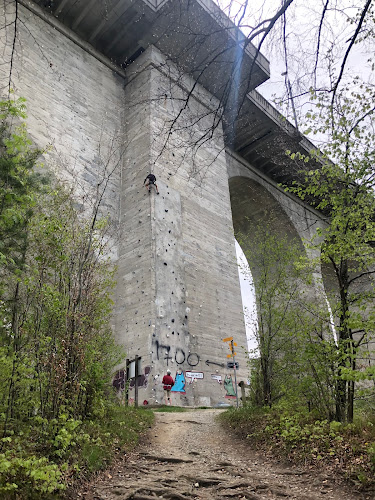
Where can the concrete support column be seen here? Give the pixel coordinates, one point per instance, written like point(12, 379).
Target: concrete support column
point(178, 293)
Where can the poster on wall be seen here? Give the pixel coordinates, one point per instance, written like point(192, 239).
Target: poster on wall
point(179, 383)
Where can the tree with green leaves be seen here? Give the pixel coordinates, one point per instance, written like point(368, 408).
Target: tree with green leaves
point(56, 289)
point(291, 346)
point(20, 181)
point(57, 350)
point(341, 185)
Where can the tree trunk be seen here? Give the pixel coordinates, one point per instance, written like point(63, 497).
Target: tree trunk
point(340, 400)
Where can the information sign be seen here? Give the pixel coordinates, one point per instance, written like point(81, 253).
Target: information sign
point(194, 374)
point(230, 364)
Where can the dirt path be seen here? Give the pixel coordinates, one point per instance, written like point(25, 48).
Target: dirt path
point(189, 456)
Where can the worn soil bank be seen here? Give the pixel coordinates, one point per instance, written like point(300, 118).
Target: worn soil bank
point(188, 456)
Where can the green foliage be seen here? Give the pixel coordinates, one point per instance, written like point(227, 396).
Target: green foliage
point(19, 182)
point(31, 476)
point(292, 325)
point(118, 428)
point(48, 453)
point(340, 183)
point(58, 415)
point(292, 432)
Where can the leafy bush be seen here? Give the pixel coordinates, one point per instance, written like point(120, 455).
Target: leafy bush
point(30, 475)
point(47, 455)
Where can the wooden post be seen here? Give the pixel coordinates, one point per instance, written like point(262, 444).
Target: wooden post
point(234, 368)
point(243, 396)
point(243, 386)
point(127, 382)
point(136, 382)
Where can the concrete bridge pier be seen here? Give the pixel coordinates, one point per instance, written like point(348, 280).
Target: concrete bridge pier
point(178, 286)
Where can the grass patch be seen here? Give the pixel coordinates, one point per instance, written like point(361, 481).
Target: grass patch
point(170, 409)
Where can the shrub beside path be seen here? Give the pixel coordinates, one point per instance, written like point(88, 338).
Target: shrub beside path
point(189, 456)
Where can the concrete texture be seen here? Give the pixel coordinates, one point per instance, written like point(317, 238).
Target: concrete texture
point(74, 106)
point(104, 129)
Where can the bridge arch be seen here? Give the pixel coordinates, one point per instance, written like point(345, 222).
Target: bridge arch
point(253, 205)
point(256, 201)
point(254, 208)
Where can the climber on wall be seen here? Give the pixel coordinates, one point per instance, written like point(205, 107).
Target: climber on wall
point(168, 383)
point(150, 181)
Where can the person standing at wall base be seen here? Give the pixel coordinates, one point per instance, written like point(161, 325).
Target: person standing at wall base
point(168, 383)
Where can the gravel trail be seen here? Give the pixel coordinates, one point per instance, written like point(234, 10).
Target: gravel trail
point(189, 456)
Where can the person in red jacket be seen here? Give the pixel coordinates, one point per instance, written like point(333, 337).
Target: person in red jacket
point(168, 383)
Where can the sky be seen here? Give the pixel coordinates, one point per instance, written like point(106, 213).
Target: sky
point(301, 34)
point(248, 298)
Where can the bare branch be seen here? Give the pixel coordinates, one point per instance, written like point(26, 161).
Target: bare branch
point(319, 38)
point(352, 42)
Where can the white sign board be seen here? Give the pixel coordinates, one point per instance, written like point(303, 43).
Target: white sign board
point(131, 368)
point(216, 377)
point(194, 375)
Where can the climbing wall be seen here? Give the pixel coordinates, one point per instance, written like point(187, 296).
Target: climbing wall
point(179, 292)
